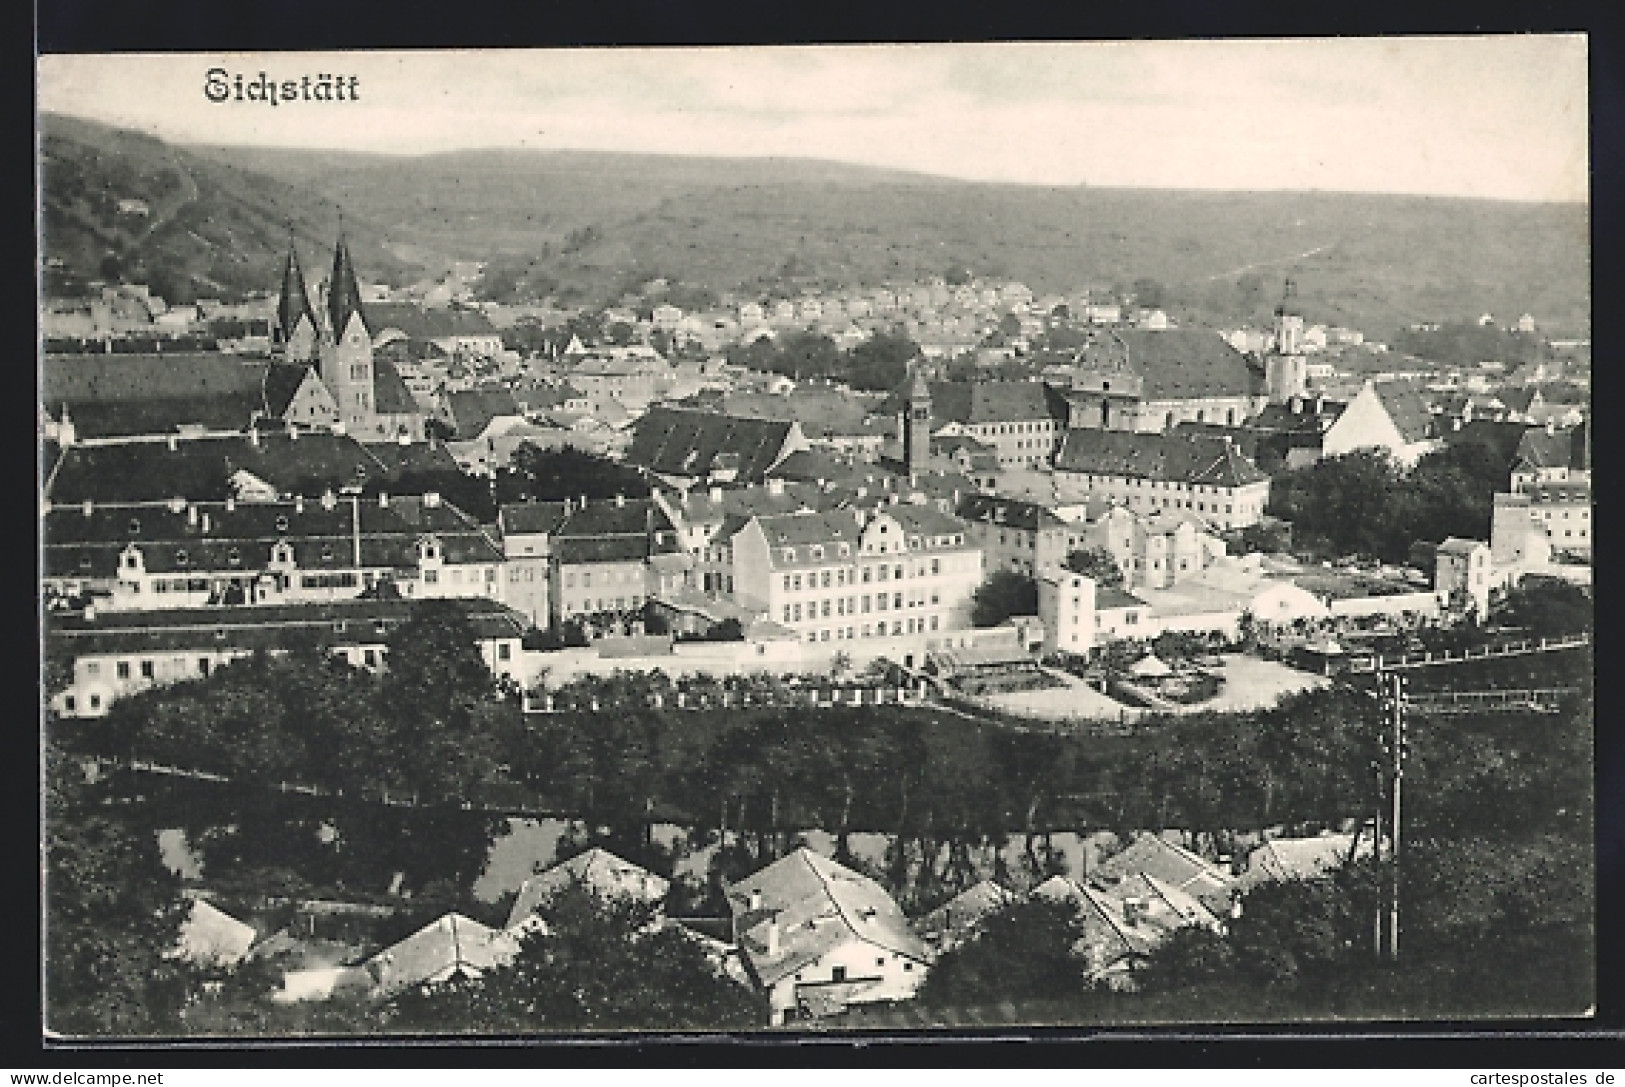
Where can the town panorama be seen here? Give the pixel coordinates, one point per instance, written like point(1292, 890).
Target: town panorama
point(559, 639)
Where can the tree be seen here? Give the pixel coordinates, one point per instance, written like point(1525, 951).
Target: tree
point(1191, 956)
point(1003, 594)
point(1096, 563)
point(447, 714)
point(880, 363)
point(112, 911)
point(1547, 607)
point(1300, 930)
point(553, 475)
point(1023, 951)
point(621, 334)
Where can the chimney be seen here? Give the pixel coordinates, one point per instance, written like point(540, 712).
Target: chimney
point(1133, 910)
point(1320, 403)
point(254, 436)
point(329, 499)
point(583, 502)
point(1551, 426)
point(569, 507)
point(205, 526)
point(620, 501)
point(775, 486)
point(716, 494)
point(383, 500)
point(293, 434)
point(755, 900)
point(773, 938)
point(299, 503)
point(90, 611)
point(431, 499)
point(231, 505)
point(174, 443)
point(191, 511)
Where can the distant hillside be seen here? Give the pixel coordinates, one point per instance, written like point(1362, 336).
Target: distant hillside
point(594, 223)
point(209, 228)
point(596, 220)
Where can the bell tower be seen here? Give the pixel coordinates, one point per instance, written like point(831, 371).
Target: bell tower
point(296, 330)
point(1285, 368)
point(347, 364)
point(917, 425)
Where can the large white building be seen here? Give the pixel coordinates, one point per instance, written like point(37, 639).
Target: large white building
point(902, 569)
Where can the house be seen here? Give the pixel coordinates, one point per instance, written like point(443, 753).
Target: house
point(294, 394)
point(900, 569)
point(818, 937)
point(1120, 614)
point(1066, 607)
point(1017, 535)
point(1463, 574)
point(1543, 520)
point(1021, 421)
point(1136, 379)
point(1159, 905)
point(113, 654)
point(1154, 855)
point(1156, 472)
point(493, 448)
point(1292, 433)
point(209, 936)
point(598, 870)
point(1115, 941)
point(1390, 416)
point(610, 555)
point(685, 447)
point(449, 948)
point(180, 554)
point(960, 918)
point(1549, 455)
point(1279, 860)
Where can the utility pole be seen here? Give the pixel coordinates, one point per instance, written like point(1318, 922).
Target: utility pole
point(1397, 774)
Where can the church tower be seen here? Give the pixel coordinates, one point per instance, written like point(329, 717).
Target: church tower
point(1285, 367)
point(296, 330)
point(347, 364)
point(917, 425)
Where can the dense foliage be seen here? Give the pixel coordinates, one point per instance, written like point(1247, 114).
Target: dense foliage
point(553, 475)
point(1097, 563)
point(1363, 503)
point(1003, 594)
point(878, 364)
point(1022, 951)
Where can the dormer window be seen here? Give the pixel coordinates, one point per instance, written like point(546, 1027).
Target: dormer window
point(282, 523)
point(327, 552)
point(845, 550)
point(181, 557)
point(914, 541)
point(135, 525)
point(789, 554)
point(817, 551)
point(234, 557)
point(282, 552)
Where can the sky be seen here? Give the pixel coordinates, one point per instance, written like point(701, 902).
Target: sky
point(1497, 117)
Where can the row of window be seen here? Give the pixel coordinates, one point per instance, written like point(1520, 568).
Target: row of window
point(917, 625)
point(824, 579)
point(606, 577)
point(588, 606)
point(854, 605)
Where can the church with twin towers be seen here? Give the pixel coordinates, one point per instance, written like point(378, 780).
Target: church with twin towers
point(331, 341)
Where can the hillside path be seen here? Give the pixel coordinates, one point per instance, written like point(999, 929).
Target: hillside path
point(1266, 263)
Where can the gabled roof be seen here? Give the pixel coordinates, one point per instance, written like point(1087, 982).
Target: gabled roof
point(992, 509)
point(693, 444)
point(1175, 363)
point(211, 936)
point(976, 403)
point(1111, 598)
point(1501, 438)
point(806, 528)
point(239, 539)
point(201, 468)
point(1304, 416)
point(85, 378)
point(1152, 855)
point(447, 947)
point(1557, 449)
point(390, 396)
point(927, 522)
point(1173, 457)
point(597, 869)
point(1406, 408)
point(472, 410)
point(282, 381)
point(818, 905)
point(1109, 942)
point(1283, 859)
point(960, 916)
point(1454, 545)
point(601, 531)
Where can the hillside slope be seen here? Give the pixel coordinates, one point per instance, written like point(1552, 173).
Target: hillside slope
point(597, 222)
point(210, 228)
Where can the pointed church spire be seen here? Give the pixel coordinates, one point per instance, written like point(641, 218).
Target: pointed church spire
point(295, 300)
point(343, 292)
point(1289, 301)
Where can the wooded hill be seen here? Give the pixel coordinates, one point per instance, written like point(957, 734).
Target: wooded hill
point(596, 223)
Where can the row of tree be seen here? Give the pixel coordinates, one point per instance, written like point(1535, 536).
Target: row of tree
point(878, 364)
